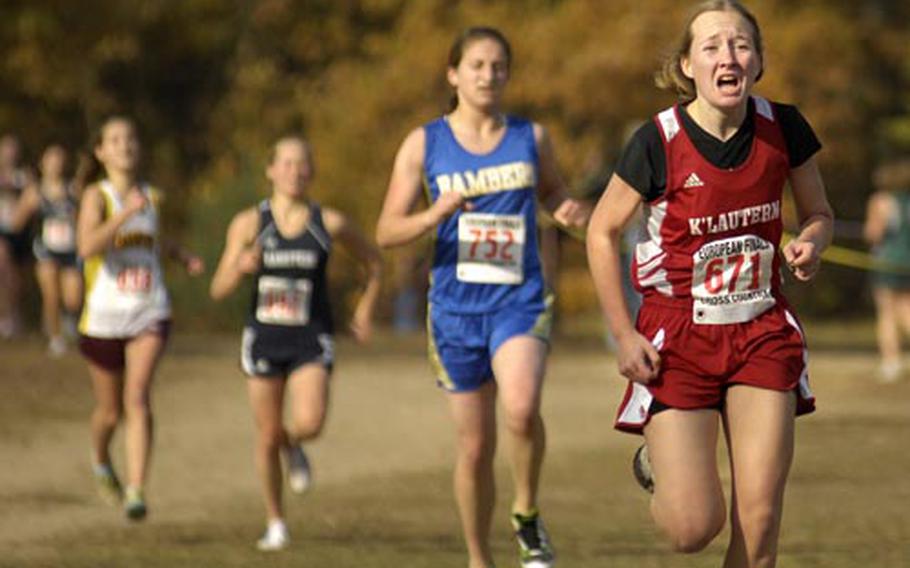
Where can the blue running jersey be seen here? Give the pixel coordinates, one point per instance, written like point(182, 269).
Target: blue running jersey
point(487, 258)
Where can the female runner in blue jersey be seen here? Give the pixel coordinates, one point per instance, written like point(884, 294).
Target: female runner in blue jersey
point(489, 315)
point(285, 243)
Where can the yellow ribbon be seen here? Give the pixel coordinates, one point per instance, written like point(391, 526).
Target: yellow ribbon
point(856, 259)
point(834, 254)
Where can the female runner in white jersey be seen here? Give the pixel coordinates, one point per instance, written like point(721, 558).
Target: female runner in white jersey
point(285, 243)
point(489, 323)
point(54, 199)
point(715, 342)
point(126, 314)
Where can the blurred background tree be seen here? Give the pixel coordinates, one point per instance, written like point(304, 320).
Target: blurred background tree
point(213, 82)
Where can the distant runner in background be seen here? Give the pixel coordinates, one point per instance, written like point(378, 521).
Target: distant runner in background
point(887, 229)
point(14, 245)
point(54, 200)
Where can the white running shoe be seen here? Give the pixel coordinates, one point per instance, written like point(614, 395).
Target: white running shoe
point(890, 372)
point(56, 347)
point(7, 328)
point(276, 537)
point(299, 474)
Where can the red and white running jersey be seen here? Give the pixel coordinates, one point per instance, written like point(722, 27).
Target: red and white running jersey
point(712, 238)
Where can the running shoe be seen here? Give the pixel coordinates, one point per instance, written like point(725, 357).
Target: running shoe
point(276, 537)
point(135, 507)
point(108, 485)
point(890, 372)
point(70, 325)
point(299, 474)
point(56, 347)
point(533, 541)
point(641, 468)
point(8, 328)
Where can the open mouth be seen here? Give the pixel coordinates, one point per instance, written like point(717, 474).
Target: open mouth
point(729, 84)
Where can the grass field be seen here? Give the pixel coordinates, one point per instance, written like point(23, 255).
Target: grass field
point(383, 492)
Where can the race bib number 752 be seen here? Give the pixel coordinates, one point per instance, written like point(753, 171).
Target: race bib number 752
point(731, 280)
point(491, 248)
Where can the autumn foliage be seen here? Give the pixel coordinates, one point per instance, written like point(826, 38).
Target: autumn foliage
point(212, 83)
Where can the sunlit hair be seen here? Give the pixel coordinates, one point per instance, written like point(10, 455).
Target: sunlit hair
point(291, 137)
point(466, 38)
point(670, 75)
point(893, 175)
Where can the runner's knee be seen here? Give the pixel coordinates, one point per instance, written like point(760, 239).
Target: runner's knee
point(691, 529)
point(305, 428)
point(108, 416)
point(521, 419)
point(758, 522)
point(476, 450)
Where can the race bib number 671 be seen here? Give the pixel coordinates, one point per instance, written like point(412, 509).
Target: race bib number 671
point(491, 248)
point(731, 280)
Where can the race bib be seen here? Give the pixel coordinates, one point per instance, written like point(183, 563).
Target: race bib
point(731, 280)
point(58, 235)
point(490, 248)
point(134, 279)
point(284, 301)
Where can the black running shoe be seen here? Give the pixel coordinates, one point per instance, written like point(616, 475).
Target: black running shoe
point(533, 541)
point(641, 467)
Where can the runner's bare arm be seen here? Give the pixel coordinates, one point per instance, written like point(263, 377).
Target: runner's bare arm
point(816, 221)
point(877, 217)
point(638, 360)
point(397, 225)
point(94, 233)
point(241, 254)
point(352, 239)
point(26, 207)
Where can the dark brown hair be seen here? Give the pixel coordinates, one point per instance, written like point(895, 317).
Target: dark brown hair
point(465, 38)
point(88, 168)
point(670, 75)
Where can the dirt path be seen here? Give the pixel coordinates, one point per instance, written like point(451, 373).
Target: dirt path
point(388, 422)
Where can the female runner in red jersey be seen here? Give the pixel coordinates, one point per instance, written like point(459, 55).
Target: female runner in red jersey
point(715, 342)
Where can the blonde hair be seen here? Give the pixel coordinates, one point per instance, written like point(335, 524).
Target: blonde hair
point(670, 75)
point(289, 137)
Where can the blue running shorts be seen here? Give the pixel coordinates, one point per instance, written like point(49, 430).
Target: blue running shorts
point(461, 346)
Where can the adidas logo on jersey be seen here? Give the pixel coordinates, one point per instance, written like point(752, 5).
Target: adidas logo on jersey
point(693, 181)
